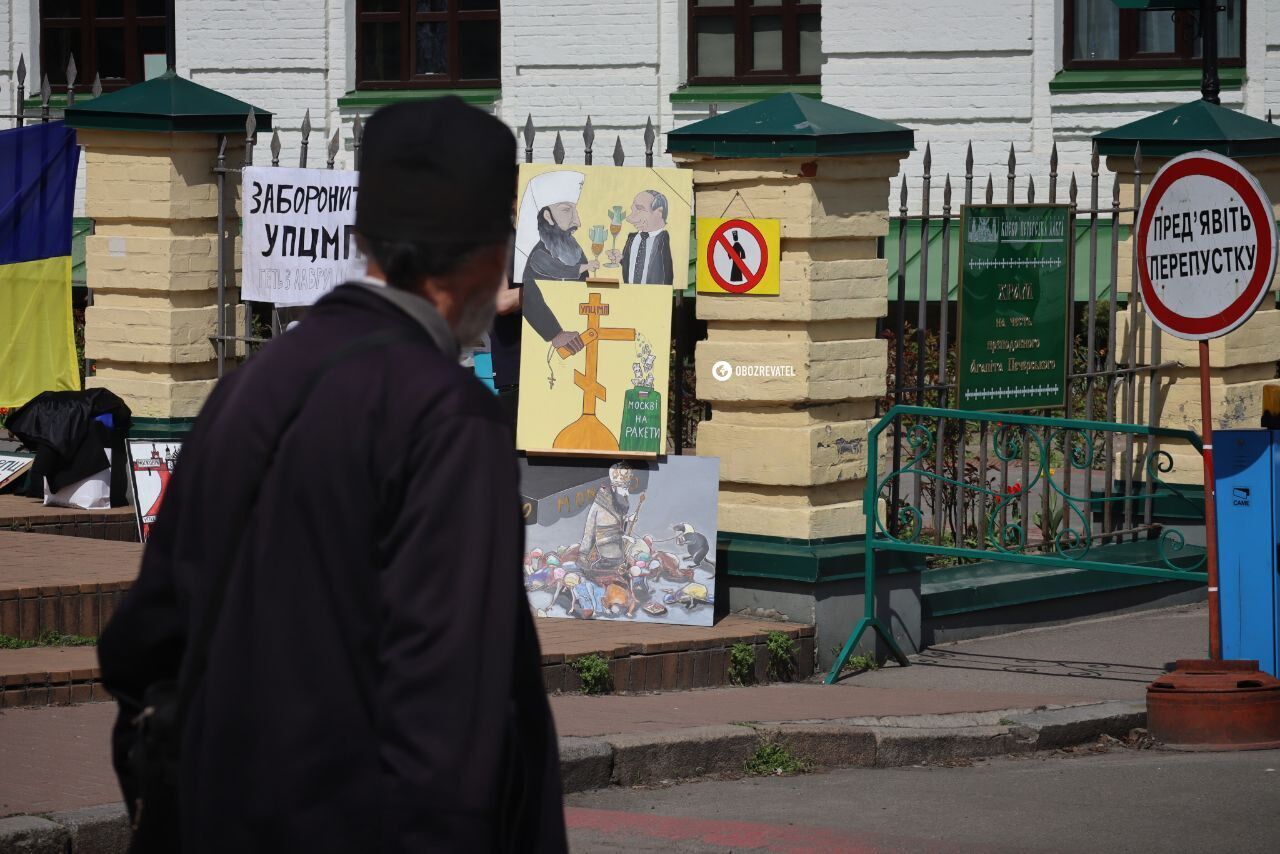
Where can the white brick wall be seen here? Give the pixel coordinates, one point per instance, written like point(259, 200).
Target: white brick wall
point(275, 54)
point(954, 71)
point(8, 61)
point(567, 60)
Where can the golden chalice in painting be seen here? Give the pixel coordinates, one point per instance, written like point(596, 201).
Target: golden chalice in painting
point(617, 216)
point(597, 233)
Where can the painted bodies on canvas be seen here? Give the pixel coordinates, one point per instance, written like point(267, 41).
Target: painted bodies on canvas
point(618, 556)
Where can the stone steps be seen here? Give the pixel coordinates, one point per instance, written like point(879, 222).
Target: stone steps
point(18, 513)
point(50, 676)
point(73, 586)
point(68, 585)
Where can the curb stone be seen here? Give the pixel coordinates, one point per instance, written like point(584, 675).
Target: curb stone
point(829, 744)
point(585, 763)
point(95, 830)
point(901, 746)
point(28, 834)
point(1055, 728)
point(654, 757)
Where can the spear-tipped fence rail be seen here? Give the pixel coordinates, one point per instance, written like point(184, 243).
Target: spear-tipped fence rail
point(1107, 376)
point(222, 340)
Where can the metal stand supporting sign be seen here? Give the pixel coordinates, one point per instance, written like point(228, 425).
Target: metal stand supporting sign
point(1210, 510)
point(1206, 251)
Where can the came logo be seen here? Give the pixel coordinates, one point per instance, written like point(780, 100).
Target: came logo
point(1240, 496)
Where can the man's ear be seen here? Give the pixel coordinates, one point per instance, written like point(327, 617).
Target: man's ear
point(547, 217)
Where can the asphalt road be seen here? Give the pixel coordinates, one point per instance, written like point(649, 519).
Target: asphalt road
point(1121, 800)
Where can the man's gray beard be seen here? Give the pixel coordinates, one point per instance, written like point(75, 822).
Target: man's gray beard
point(476, 318)
point(561, 244)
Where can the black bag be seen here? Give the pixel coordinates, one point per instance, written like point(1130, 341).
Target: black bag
point(152, 745)
point(153, 764)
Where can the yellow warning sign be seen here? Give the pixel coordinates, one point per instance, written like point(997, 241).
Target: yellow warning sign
point(738, 256)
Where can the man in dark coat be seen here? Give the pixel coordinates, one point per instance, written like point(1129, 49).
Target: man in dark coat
point(372, 679)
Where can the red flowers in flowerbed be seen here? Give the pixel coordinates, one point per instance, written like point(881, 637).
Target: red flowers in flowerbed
point(1013, 489)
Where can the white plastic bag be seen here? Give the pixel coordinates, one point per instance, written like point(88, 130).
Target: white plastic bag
point(92, 493)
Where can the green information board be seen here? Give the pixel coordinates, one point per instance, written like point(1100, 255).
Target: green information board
point(1014, 275)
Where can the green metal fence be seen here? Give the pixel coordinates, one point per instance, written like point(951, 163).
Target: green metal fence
point(1065, 532)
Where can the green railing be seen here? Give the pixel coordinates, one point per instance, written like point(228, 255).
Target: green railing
point(1070, 536)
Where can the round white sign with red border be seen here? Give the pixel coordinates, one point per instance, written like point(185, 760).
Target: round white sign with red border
point(1206, 244)
point(737, 272)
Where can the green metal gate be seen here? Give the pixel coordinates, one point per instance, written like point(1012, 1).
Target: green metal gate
point(1074, 523)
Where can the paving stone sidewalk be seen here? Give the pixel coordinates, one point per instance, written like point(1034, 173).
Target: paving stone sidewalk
point(57, 758)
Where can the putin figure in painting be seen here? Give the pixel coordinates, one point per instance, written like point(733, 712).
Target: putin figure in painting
point(646, 257)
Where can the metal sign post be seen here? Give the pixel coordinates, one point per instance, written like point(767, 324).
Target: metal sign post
point(1210, 510)
point(1206, 248)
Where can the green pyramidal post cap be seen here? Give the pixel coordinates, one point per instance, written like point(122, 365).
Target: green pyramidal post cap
point(1197, 126)
point(166, 104)
point(790, 125)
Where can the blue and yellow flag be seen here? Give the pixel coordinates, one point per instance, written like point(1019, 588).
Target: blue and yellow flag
point(37, 190)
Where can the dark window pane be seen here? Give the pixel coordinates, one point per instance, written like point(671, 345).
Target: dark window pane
point(109, 9)
point(766, 43)
point(59, 45)
point(379, 5)
point(433, 5)
point(810, 27)
point(110, 44)
point(380, 51)
point(150, 8)
point(431, 56)
point(1097, 30)
point(715, 46)
point(1156, 33)
point(1230, 32)
point(151, 40)
point(477, 5)
point(766, 2)
point(715, 2)
point(478, 50)
point(60, 8)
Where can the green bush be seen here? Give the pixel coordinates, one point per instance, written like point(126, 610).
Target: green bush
point(594, 672)
point(772, 759)
point(742, 664)
point(782, 652)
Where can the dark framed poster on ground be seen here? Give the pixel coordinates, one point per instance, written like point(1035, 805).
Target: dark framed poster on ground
point(1015, 271)
point(151, 463)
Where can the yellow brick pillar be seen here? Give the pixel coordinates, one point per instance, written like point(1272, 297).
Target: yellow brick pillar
point(793, 443)
point(152, 262)
point(793, 447)
point(1240, 363)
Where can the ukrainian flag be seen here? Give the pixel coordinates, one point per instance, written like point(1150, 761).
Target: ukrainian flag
point(37, 190)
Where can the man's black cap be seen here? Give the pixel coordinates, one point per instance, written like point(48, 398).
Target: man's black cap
point(436, 171)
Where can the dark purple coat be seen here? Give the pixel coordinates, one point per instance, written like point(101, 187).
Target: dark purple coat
point(373, 683)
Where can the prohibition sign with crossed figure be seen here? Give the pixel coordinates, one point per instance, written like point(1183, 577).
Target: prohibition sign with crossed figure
point(751, 278)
